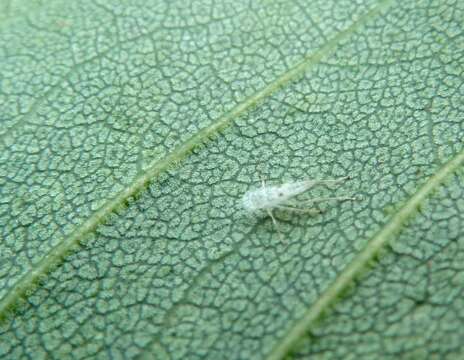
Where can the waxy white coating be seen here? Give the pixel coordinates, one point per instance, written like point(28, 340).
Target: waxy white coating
point(269, 197)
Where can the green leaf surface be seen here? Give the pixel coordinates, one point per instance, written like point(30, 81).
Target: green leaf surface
point(130, 131)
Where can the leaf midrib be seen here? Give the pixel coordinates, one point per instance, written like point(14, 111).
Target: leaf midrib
point(58, 253)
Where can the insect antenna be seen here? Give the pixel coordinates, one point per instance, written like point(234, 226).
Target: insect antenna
point(335, 198)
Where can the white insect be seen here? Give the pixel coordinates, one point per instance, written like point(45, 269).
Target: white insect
point(269, 198)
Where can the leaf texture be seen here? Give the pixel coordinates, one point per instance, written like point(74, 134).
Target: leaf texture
point(130, 131)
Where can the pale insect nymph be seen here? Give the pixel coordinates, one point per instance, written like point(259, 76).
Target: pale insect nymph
point(283, 197)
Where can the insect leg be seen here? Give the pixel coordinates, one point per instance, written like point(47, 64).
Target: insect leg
point(330, 181)
point(269, 212)
point(306, 211)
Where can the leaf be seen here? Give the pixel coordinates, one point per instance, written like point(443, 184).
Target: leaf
point(130, 131)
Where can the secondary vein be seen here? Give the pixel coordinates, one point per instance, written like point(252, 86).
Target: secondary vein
point(366, 256)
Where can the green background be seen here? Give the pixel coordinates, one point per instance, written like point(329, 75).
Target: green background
point(131, 129)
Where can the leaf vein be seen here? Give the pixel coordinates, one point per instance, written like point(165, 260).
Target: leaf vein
point(58, 253)
point(363, 259)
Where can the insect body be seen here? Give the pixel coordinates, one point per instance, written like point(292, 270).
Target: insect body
point(268, 198)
